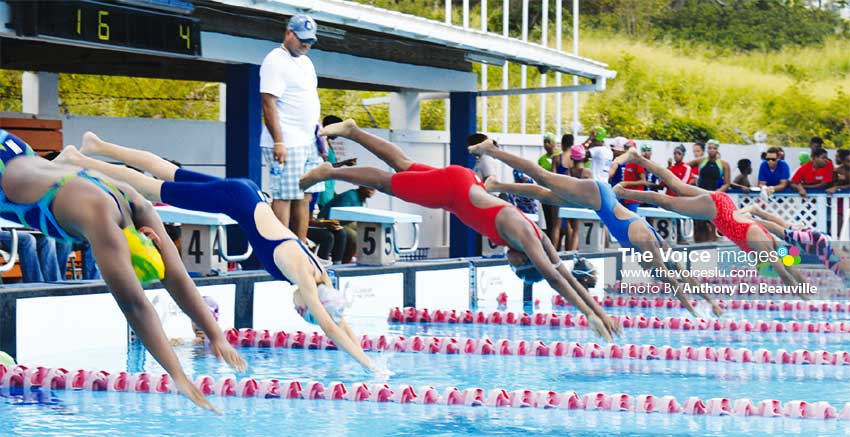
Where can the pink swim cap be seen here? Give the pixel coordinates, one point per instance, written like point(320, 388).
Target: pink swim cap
point(578, 152)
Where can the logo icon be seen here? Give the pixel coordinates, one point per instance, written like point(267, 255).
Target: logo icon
point(790, 256)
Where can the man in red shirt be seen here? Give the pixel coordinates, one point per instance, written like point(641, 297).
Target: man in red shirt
point(815, 174)
point(680, 169)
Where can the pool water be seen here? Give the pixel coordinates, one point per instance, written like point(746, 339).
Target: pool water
point(85, 413)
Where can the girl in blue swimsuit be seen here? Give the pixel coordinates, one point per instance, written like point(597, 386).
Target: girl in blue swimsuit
point(630, 230)
point(282, 254)
point(69, 203)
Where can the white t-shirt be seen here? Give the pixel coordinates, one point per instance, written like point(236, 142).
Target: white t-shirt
point(293, 81)
point(601, 158)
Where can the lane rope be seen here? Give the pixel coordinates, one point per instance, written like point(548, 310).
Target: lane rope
point(61, 379)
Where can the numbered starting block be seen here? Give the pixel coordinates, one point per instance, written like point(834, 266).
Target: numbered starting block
point(376, 233)
point(204, 240)
point(668, 224)
point(489, 248)
point(590, 228)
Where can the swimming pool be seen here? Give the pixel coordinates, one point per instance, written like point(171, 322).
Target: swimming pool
point(73, 412)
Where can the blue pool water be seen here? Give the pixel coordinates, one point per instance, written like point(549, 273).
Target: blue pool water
point(128, 414)
point(78, 413)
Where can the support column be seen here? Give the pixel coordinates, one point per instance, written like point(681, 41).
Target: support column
point(404, 111)
point(242, 127)
point(40, 94)
point(243, 115)
point(462, 238)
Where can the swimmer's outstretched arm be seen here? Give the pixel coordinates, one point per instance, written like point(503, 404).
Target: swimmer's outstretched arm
point(181, 287)
point(111, 253)
point(533, 249)
point(303, 276)
point(582, 292)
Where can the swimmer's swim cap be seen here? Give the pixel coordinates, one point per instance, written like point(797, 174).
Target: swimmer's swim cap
point(334, 301)
point(7, 360)
point(145, 257)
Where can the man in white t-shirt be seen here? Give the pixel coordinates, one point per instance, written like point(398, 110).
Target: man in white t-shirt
point(291, 109)
point(599, 154)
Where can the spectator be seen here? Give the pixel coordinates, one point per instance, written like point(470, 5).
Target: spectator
point(37, 255)
point(354, 197)
point(653, 182)
point(291, 109)
point(742, 181)
point(618, 148)
point(599, 154)
point(330, 238)
point(813, 175)
point(814, 144)
point(545, 159)
point(841, 174)
point(713, 175)
point(804, 157)
point(578, 156)
point(561, 161)
point(699, 154)
point(774, 172)
point(634, 178)
point(680, 169)
point(841, 181)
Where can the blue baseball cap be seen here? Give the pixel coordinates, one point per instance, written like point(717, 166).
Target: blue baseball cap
point(304, 27)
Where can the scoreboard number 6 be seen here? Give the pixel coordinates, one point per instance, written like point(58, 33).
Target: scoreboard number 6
point(102, 26)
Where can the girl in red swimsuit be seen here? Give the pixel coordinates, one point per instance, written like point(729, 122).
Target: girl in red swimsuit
point(702, 204)
point(458, 190)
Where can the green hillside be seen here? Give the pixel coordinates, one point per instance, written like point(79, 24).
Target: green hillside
point(686, 70)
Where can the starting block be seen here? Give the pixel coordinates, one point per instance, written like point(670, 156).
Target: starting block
point(206, 248)
point(489, 248)
point(376, 233)
point(13, 227)
point(668, 224)
point(590, 228)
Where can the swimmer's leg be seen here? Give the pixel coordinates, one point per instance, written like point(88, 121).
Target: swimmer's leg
point(383, 149)
point(699, 207)
point(365, 176)
point(580, 191)
point(680, 187)
point(145, 185)
point(160, 168)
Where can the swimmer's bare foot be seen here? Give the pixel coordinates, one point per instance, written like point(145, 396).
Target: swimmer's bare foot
point(491, 184)
point(91, 144)
point(631, 155)
point(341, 129)
point(483, 148)
point(69, 155)
point(316, 175)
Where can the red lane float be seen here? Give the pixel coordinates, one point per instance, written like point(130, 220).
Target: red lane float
point(25, 377)
point(248, 337)
point(413, 315)
point(735, 304)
